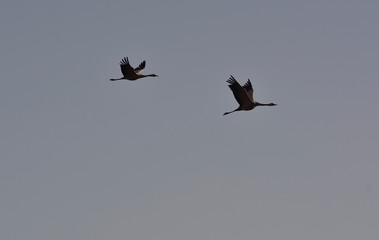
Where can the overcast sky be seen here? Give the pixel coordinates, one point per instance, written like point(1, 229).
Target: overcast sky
point(84, 158)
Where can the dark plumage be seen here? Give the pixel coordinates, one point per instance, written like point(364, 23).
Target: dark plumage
point(244, 95)
point(131, 73)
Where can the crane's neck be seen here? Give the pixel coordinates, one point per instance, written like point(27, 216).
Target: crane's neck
point(265, 104)
point(149, 75)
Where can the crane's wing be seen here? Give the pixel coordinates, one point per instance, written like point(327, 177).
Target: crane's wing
point(126, 69)
point(239, 92)
point(249, 89)
point(141, 67)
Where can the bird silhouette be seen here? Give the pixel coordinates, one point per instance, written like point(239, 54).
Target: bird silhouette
point(131, 73)
point(244, 95)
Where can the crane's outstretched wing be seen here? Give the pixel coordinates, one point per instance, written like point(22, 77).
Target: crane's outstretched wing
point(249, 89)
point(141, 67)
point(239, 92)
point(126, 69)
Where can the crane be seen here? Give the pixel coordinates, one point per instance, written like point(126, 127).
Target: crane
point(131, 73)
point(244, 96)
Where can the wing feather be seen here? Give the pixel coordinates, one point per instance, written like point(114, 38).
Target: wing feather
point(141, 67)
point(126, 69)
point(239, 92)
point(249, 89)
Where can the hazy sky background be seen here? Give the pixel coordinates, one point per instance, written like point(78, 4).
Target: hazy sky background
point(89, 159)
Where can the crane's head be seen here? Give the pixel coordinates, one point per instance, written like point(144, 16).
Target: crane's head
point(272, 104)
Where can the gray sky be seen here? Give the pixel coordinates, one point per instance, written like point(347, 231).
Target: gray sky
point(89, 159)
